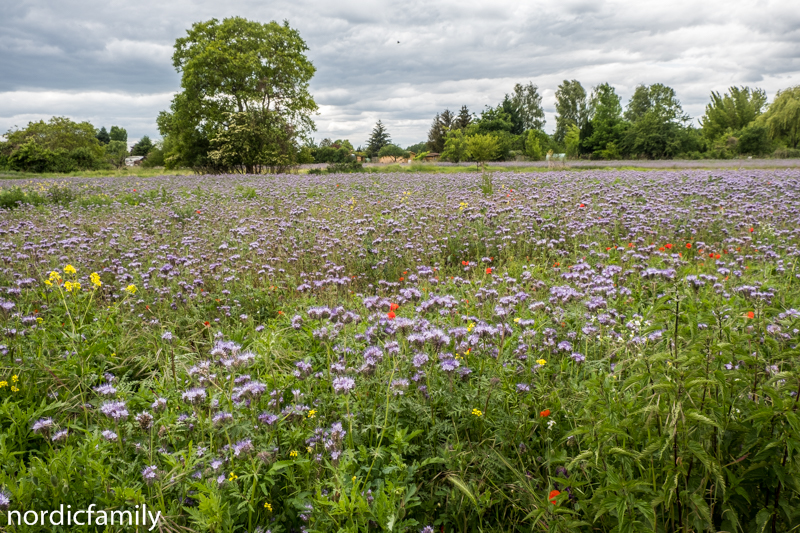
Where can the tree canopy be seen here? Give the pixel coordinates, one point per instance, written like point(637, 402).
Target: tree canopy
point(234, 67)
point(732, 111)
point(570, 107)
point(782, 119)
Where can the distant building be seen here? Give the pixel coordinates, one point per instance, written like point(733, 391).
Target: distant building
point(134, 161)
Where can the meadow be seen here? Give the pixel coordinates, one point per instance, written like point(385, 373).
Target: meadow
point(604, 350)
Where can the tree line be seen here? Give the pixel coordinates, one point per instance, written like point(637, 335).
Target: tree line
point(245, 106)
point(63, 145)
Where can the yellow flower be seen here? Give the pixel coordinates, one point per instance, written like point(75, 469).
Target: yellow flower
point(131, 289)
point(293, 453)
point(541, 362)
point(232, 477)
point(14, 378)
point(309, 449)
point(477, 412)
point(14, 389)
point(470, 326)
point(3, 384)
point(72, 285)
point(267, 506)
point(48, 283)
point(39, 319)
point(354, 479)
point(95, 277)
point(516, 319)
point(54, 276)
point(312, 413)
point(69, 269)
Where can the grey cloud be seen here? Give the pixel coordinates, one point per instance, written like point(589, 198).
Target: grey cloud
point(450, 53)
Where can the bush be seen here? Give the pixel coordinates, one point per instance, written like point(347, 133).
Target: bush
point(786, 153)
point(346, 167)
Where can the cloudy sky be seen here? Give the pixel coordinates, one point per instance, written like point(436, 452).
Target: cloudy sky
point(108, 61)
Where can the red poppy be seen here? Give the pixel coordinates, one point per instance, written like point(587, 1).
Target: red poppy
point(668, 246)
point(545, 413)
point(553, 495)
point(688, 246)
point(401, 279)
point(393, 307)
point(206, 324)
point(751, 314)
point(583, 205)
point(661, 249)
point(717, 256)
point(751, 230)
point(391, 315)
point(630, 245)
point(489, 270)
point(198, 211)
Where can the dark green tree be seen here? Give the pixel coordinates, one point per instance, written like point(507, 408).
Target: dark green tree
point(143, 147)
point(732, 111)
point(118, 133)
point(463, 119)
point(513, 112)
point(238, 66)
point(103, 136)
point(571, 108)
point(442, 123)
point(378, 139)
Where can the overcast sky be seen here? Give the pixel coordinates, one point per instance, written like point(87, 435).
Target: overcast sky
point(108, 61)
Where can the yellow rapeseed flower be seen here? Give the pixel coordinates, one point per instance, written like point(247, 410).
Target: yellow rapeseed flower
point(69, 269)
point(95, 278)
point(131, 289)
point(267, 506)
point(14, 389)
point(312, 413)
point(541, 362)
point(477, 412)
point(14, 378)
point(293, 453)
point(3, 384)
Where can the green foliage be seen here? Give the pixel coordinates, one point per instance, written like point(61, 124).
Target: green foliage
point(393, 151)
point(494, 120)
point(143, 147)
point(455, 147)
point(118, 133)
point(533, 147)
point(418, 148)
point(572, 140)
point(607, 126)
point(103, 137)
point(782, 118)
point(345, 167)
point(253, 142)
point(378, 139)
point(116, 152)
point(571, 108)
point(442, 124)
point(657, 122)
point(463, 119)
point(733, 111)
point(754, 140)
point(527, 102)
point(482, 148)
point(241, 72)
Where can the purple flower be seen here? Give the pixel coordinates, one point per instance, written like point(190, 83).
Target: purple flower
point(149, 474)
point(194, 396)
point(343, 384)
point(115, 410)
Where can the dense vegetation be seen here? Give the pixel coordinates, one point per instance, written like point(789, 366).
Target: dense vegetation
point(595, 351)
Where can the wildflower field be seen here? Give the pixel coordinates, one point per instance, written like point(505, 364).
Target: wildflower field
point(610, 351)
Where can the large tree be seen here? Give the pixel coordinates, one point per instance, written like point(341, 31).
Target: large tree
point(236, 67)
point(528, 103)
point(118, 133)
point(607, 126)
point(732, 111)
point(571, 108)
point(782, 118)
point(657, 122)
point(463, 119)
point(378, 139)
